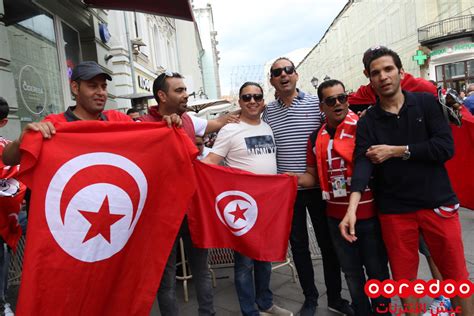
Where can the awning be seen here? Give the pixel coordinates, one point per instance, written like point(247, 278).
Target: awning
point(178, 9)
point(138, 95)
point(201, 104)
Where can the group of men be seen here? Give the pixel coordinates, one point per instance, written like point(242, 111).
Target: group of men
point(333, 153)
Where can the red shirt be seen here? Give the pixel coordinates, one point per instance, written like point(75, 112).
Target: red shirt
point(155, 116)
point(337, 206)
point(68, 116)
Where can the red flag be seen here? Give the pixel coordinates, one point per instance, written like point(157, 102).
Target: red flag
point(12, 193)
point(105, 211)
point(459, 167)
point(243, 211)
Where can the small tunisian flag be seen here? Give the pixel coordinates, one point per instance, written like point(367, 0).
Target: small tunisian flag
point(104, 215)
point(243, 211)
point(12, 193)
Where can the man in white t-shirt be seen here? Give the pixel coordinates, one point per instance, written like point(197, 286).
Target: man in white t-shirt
point(249, 145)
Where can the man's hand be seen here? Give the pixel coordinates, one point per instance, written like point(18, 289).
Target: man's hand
point(380, 153)
point(347, 227)
point(233, 117)
point(173, 119)
point(216, 124)
point(45, 128)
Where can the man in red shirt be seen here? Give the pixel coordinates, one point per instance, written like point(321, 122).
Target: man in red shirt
point(89, 86)
point(171, 94)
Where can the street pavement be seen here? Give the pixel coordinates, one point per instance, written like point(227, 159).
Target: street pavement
point(289, 295)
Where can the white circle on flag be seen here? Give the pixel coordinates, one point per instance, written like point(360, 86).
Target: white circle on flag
point(72, 234)
point(239, 213)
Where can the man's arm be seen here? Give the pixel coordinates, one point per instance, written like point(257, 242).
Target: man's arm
point(440, 145)
point(216, 124)
point(12, 154)
point(362, 165)
point(307, 179)
point(213, 159)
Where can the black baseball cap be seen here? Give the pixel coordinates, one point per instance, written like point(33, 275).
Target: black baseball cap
point(88, 70)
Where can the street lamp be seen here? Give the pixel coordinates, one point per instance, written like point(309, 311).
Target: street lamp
point(314, 82)
point(327, 78)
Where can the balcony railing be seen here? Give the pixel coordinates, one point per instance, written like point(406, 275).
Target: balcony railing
point(451, 28)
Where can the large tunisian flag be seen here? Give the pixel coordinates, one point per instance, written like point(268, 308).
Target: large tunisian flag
point(459, 167)
point(104, 214)
point(243, 211)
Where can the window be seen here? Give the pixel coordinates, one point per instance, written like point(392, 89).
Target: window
point(34, 61)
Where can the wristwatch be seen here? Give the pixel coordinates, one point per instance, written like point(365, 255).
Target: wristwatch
point(406, 153)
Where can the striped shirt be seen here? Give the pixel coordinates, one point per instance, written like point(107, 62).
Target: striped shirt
point(291, 127)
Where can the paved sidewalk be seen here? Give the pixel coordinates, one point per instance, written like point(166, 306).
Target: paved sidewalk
point(286, 293)
point(289, 295)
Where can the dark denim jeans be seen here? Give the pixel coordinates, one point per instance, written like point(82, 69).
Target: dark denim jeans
point(367, 252)
point(201, 277)
point(244, 271)
point(299, 240)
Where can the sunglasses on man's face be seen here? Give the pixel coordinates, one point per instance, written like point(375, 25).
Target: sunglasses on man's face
point(248, 97)
point(276, 72)
point(331, 101)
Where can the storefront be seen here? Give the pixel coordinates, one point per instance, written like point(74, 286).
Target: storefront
point(44, 41)
point(452, 64)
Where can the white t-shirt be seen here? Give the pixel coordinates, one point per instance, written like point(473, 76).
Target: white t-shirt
point(200, 125)
point(247, 147)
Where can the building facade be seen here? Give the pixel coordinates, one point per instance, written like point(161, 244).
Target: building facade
point(210, 59)
point(434, 39)
point(40, 42)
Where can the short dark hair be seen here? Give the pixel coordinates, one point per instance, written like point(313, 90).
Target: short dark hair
point(4, 108)
point(328, 84)
point(161, 84)
point(132, 110)
point(282, 58)
point(374, 53)
point(249, 83)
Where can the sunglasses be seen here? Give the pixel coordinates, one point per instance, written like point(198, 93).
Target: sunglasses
point(276, 72)
point(331, 101)
point(161, 78)
point(248, 97)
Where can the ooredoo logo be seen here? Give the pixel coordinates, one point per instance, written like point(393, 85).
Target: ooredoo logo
point(419, 288)
point(92, 217)
point(237, 210)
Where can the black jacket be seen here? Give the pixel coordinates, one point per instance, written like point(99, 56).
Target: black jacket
point(420, 182)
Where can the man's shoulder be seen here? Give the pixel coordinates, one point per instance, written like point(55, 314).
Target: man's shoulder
point(55, 118)
point(116, 116)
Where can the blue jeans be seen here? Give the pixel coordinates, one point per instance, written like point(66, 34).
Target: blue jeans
point(312, 201)
point(167, 301)
point(367, 252)
point(247, 293)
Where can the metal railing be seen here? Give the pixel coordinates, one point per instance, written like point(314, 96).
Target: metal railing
point(448, 28)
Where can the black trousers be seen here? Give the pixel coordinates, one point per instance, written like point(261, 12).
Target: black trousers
point(312, 201)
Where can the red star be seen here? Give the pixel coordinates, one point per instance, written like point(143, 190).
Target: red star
point(238, 213)
point(100, 221)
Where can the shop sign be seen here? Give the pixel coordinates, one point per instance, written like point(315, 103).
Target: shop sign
point(32, 89)
point(454, 48)
point(144, 83)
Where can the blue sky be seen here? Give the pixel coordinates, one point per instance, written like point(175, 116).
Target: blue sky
point(251, 32)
